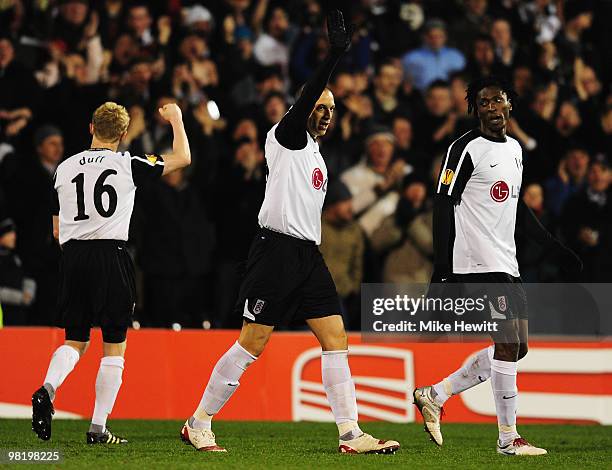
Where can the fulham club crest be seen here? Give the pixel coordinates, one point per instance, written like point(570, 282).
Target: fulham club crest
point(501, 303)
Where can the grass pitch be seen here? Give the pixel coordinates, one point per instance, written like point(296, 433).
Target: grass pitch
point(256, 445)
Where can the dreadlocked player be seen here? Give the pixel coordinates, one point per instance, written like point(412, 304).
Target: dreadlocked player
point(475, 216)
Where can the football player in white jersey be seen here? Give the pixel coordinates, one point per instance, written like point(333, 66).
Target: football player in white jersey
point(476, 209)
point(286, 277)
point(94, 198)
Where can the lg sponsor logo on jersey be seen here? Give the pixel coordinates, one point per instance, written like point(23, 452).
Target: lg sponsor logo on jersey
point(500, 191)
point(318, 181)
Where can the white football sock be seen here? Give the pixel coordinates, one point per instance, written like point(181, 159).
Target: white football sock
point(340, 391)
point(222, 384)
point(505, 393)
point(475, 371)
point(62, 363)
point(108, 383)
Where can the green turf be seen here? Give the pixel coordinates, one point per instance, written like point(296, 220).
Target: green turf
point(155, 444)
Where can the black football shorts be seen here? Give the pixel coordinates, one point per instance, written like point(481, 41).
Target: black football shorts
point(97, 288)
point(286, 280)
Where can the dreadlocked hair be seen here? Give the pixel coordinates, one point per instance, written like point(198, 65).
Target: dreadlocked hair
point(476, 85)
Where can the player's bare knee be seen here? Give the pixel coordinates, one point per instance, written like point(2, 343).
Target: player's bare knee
point(523, 349)
point(80, 346)
point(334, 340)
point(254, 338)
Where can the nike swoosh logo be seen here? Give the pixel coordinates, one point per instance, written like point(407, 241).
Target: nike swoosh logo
point(492, 165)
point(481, 379)
point(507, 398)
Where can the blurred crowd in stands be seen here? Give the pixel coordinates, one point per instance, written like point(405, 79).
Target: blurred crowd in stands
point(234, 66)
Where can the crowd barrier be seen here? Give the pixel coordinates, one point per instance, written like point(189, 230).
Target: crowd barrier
point(166, 372)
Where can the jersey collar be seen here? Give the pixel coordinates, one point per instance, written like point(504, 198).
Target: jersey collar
point(492, 139)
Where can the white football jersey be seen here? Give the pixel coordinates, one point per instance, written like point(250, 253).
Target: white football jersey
point(95, 192)
point(484, 176)
point(295, 189)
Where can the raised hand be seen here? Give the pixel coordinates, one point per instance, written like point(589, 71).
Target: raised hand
point(339, 36)
point(171, 113)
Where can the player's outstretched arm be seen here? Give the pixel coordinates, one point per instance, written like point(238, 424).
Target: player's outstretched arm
point(290, 132)
point(528, 223)
point(181, 154)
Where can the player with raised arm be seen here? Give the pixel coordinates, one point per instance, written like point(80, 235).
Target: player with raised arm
point(94, 194)
point(476, 209)
point(286, 277)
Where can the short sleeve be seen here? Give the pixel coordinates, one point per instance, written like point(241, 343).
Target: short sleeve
point(149, 167)
point(455, 172)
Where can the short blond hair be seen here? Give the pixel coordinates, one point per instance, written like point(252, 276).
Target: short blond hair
point(110, 121)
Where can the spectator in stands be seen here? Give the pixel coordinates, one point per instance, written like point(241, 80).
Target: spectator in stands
point(386, 98)
point(30, 203)
point(139, 23)
point(534, 263)
point(374, 181)
point(241, 186)
point(482, 58)
point(587, 223)
point(17, 292)
point(458, 86)
point(507, 51)
point(436, 129)
point(274, 108)
point(69, 29)
point(542, 18)
point(342, 247)
point(415, 158)
point(571, 178)
point(272, 46)
point(176, 254)
point(19, 92)
point(405, 237)
point(474, 22)
point(569, 41)
point(568, 124)
point(434, 60)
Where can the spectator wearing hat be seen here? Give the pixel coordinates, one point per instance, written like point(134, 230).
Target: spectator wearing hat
point(17, 291)
point(374, 181)
point(342, 246)
point(29, 197)
point(434, 60)
point(405, 238)
point(587, 223)
point(199, 18)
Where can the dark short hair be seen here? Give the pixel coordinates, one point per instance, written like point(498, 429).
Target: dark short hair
point(477, 85)
point(438, 84)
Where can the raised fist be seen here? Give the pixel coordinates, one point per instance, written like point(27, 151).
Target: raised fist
point(339, 36)
point(171, 112)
